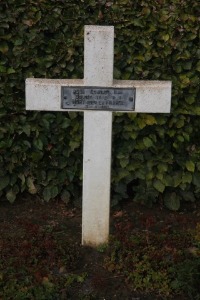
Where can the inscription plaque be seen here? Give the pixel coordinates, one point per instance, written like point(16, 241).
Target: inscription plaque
point(98, 98)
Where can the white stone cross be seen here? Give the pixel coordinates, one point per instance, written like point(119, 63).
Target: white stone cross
point(47, 95)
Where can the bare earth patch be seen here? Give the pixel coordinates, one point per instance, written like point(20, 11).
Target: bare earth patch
point(41, 256)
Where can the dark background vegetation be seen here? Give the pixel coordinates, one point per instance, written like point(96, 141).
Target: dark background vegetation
point(156, 156)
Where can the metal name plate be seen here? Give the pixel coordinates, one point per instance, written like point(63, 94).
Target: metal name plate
point(98, 98)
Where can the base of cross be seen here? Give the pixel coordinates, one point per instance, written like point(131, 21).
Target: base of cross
point(97, 95)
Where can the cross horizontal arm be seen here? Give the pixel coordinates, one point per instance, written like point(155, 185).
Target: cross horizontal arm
point(151, 96)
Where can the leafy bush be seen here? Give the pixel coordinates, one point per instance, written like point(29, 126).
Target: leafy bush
point(157, 155)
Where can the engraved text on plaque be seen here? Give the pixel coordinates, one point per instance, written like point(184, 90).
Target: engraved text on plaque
point(98, 98)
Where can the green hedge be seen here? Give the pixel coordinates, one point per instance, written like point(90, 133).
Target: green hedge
point(156, 156)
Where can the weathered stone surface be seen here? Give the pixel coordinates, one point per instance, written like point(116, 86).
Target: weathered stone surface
point(151, 96)
point(46, 95)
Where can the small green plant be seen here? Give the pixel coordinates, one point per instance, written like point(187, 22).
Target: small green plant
point(25, 289)
point(187, 276)
point(149, 264)
point(187, 273)
point(47, 263)
point(102, 248)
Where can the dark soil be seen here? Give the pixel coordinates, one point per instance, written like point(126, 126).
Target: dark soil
point(30, 231)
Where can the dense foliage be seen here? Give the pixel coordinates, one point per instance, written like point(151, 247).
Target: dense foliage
point(157, 156)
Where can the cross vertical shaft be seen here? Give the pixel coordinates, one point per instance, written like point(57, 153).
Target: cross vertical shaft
point(98, 71)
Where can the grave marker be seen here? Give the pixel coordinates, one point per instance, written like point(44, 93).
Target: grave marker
point(97, 95)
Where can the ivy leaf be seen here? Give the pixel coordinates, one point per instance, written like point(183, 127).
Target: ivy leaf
point(51, 174)
point(190, 99)
point(22, 177)
point(54, 191)
point(190, 166)
point(2, 69)
point(65, 123)
point(117, 73)
point(165, 37)
point(188, 196)
point(47, 193)
point(50, 192)
point(159, 186)
point(180, 123)
point(177, 179)
point(196, 179)
point(10, 71)
point(187, 178)
point(150, 120)
point(27, 129)
point(38, 144)
point(74, 145)
point(4, 181)
point(141, 123)
point(187, 65)
point(147, 142)
point(11, 195)
point(31, 187)
point(124, 162)
point(162, 167)
point(168, 180)
point(149, 175)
